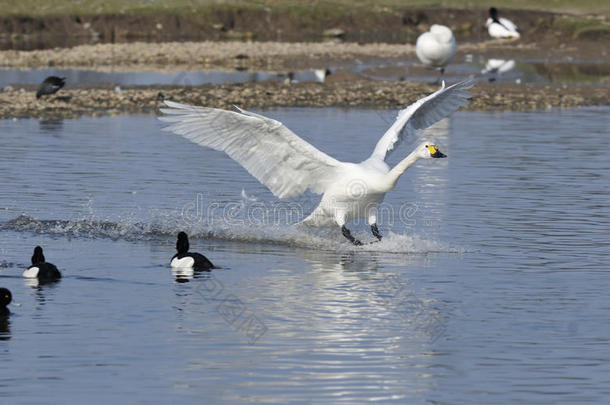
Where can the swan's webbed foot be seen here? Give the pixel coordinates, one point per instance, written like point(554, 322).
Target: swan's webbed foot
point(349, 236)
point(375, 231)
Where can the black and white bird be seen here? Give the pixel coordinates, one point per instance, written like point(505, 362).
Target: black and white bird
point(5, 297)
point(40, 269)
point(50, 85)
point(185, 259)
point(500, 27)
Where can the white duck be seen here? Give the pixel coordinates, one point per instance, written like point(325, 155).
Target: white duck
point(288, 165)
point(436, 47)
point(500, 27)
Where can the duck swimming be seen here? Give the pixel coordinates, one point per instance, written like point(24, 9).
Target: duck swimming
point(40, 269)
point(186, 259)
point(5, 297)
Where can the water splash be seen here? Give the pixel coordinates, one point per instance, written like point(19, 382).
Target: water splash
point(165, 225)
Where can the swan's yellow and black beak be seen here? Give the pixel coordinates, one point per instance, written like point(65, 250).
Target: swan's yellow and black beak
point(435, 152)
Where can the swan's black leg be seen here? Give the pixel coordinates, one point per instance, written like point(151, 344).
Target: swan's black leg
point(375, 231)
point(349, 236)
point(440, 76)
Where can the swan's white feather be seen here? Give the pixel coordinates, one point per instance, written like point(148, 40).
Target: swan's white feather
point(288, 165)
point(423, 113)
point(272, 153)
point(436, 47)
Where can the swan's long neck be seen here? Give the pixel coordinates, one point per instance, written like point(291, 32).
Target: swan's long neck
point(401, 167)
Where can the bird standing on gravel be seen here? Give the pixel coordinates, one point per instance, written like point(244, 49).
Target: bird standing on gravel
point(500, 27)
point(436, 47)
point(50, 85)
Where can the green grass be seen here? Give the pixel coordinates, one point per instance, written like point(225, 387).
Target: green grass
point(305, 9)
point(578, 26)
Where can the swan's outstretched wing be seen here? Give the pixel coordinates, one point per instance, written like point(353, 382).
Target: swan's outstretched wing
point(423, 113)
point(269, 151)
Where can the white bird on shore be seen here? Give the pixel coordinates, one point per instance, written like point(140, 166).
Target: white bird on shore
point(436, 47)
point(288, 165)
point(500, 27)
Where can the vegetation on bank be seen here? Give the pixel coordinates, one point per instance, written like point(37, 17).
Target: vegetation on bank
point(317, 9)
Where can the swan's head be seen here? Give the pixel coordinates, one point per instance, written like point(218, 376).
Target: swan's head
point(182, 244)
point(441, 33)
point(428, 150)
point(493, 13)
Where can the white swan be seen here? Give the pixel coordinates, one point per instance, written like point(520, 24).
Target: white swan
point(500, 27)
point(288, 165)
point(436, 47)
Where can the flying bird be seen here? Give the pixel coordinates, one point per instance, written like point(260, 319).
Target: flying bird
point(50, 85)
point(287, 165)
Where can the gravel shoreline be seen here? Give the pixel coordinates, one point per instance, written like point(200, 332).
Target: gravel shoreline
point(341, 90)
point(372, 94)
point(201, 55)
point(139, 56)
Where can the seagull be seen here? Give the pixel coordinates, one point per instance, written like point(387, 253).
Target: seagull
point(288, 166)
point(50, 85)
point(500, 27)
point(436, 47)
